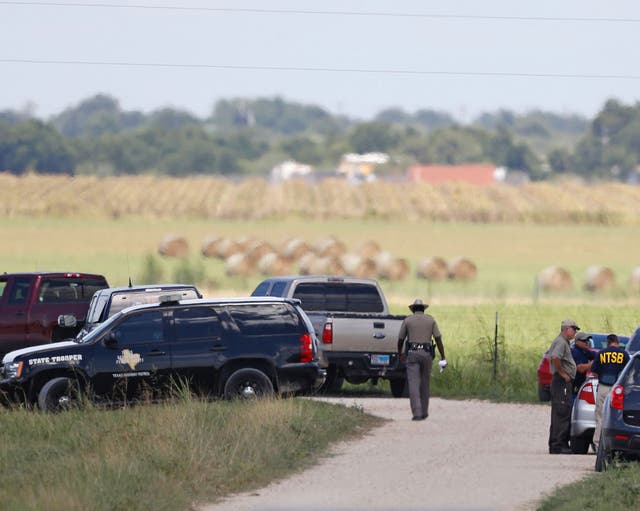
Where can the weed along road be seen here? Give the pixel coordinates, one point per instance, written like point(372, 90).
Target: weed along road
point(468, 455)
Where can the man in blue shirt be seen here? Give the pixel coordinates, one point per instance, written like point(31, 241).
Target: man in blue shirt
point(583, 356)
point(607, 366)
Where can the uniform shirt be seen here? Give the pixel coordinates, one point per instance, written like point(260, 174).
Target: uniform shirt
point(560, 348)
point(581, 356)
point(419, 328)
point(608, 364)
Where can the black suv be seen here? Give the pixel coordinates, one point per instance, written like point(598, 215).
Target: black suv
point(235, 348)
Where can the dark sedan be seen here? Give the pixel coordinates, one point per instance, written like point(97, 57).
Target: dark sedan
point(620, 437)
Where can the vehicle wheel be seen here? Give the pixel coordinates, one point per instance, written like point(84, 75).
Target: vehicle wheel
point(357, 380)
point(580, 444)
point(58, 395)
point(603, 458)
point(544, 394)
point(399, 387)
point(248, 384)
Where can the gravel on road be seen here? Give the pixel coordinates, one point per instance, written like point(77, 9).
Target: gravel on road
point(467, 455)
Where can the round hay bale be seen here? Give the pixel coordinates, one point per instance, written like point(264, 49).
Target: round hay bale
point(358, 266)
point(432, 268)
point(555, 278)
point(209, 246)
point(330, 247)
point(174, 246)
point(599, 278)
point(634, 279)
point(462, 268)
point(368, 249)
point(255, 250)
point(390, 267)
point(326, 266)
point(296, 248)
point(305, 262)
point(273, 264)
point(227, 247)
point(239, 265)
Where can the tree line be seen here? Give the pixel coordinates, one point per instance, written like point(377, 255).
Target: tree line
point(247, 137)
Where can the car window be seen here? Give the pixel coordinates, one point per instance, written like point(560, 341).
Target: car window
point(364, 298)
point(122, 300)
point(261, 290)
point(19, 291)
point(3, 286)
point(141, 328)
point(196, 323)
point(265, 319)
point(634, 342)
point(278, 288)
point(68, 289)
point(311, 295)
point(632, 375)
point(96, 306)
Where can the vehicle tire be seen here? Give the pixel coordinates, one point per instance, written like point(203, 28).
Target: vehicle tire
point(399, 387)
point(357, 380)
point(59, 394)
point(247, 384)
point(603, 458)
point(544, 394)
point(580, 444)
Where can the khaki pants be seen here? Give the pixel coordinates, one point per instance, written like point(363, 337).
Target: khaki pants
point(603, 392)
point(419, 364)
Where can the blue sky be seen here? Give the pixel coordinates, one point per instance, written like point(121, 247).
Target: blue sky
point(463, 57)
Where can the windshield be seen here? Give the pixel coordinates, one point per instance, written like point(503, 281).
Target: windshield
point(97, 332)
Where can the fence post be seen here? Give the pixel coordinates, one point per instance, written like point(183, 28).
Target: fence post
point(495, 351)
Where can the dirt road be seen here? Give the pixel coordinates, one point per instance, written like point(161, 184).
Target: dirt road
point(468, 455)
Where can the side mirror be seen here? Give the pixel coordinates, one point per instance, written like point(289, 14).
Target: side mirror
point(67, 321)
point(111, 340)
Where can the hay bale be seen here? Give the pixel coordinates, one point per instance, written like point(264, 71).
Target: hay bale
point(239, 265)
point(255, 250)
point(432, 268)
point(226, 247)
point(634, 279)
point(273, 264)
point(555, 278)
point(295, 248)
point(599, 278)
point(368, 249)
point(305, 262)
point(358, 266)
point(209, 246)
point(326, 266)
point(462, 268)
point(174, 246)
point(330, 247)
point(390, 267)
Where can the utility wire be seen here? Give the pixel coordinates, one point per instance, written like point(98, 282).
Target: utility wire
point(321, 69)
point(323, 12)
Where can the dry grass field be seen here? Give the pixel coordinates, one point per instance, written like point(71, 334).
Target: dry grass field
point(115, 226)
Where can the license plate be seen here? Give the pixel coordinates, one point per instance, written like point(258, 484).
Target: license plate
point(380, 360)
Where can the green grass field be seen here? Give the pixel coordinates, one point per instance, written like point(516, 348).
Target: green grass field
point(508, 257)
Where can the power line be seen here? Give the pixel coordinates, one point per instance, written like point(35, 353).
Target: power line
point(173, 65)
point(323, 12)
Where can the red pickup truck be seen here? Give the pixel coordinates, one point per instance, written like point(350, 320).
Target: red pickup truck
point(30, 304)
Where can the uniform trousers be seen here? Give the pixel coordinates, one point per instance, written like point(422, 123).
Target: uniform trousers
point(561, 397)
point(603, 392)
point(419, 364)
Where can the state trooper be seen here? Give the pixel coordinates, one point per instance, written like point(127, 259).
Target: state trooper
point(414, 341)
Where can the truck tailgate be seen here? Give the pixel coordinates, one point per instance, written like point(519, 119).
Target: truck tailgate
point(364, 333)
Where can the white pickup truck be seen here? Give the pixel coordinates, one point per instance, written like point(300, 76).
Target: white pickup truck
point(351, 318)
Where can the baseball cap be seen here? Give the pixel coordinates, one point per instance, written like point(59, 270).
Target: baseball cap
point(582, 336)
point(569, 322)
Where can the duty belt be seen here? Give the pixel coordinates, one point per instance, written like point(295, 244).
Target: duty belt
point(419, 346)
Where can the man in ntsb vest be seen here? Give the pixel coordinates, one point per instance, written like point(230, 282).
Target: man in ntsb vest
point(607, 366)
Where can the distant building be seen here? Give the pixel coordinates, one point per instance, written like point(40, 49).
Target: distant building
point(289, 170)
point(481, 174)
point(360, 167)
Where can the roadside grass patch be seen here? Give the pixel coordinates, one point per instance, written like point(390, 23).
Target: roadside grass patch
point(162, 457)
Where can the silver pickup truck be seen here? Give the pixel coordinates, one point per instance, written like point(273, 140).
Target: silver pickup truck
point(351, 318)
